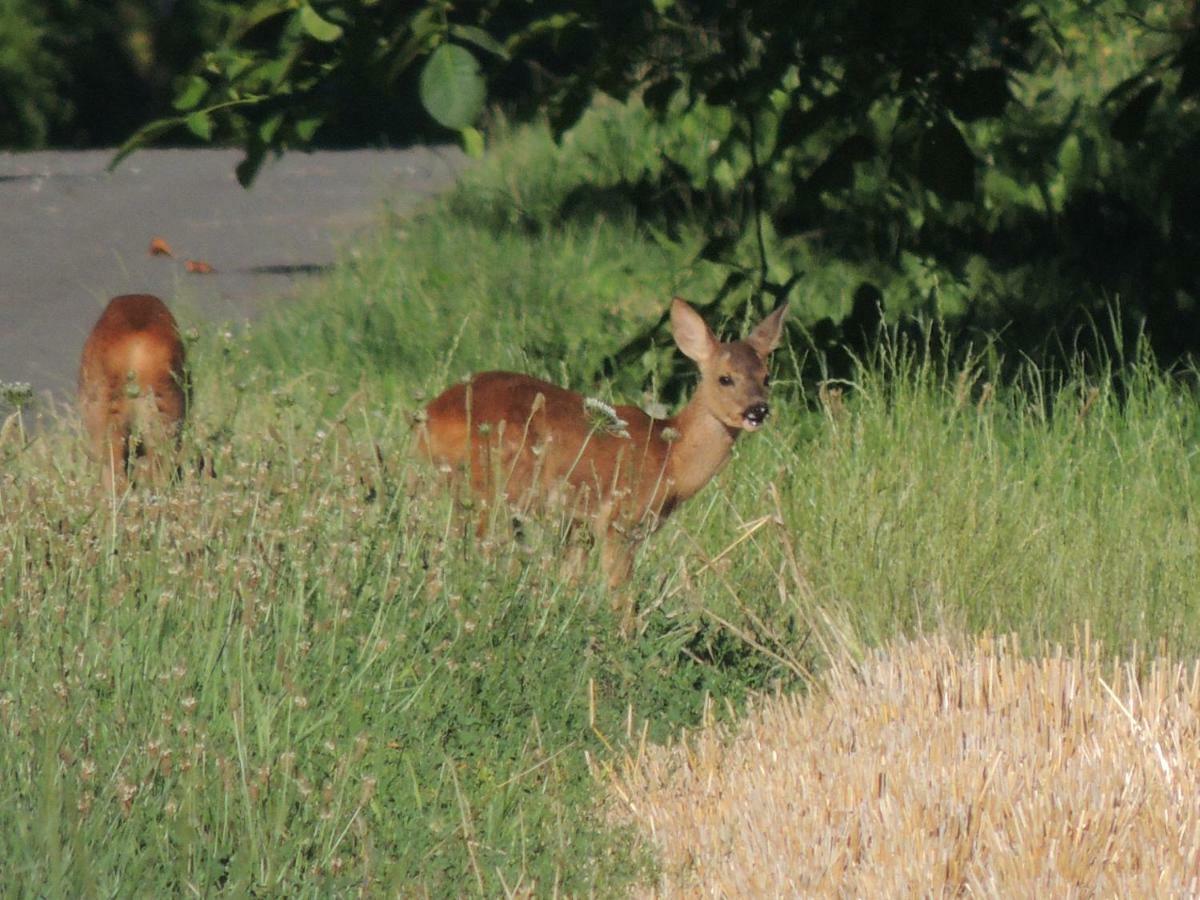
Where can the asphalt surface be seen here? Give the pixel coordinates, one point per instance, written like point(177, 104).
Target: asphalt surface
point(73, 235)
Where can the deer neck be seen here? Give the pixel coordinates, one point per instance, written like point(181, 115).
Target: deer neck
point(701, 450)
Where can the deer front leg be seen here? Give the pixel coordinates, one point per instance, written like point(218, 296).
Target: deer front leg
point(616, 560)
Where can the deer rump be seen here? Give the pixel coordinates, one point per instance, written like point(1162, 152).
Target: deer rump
point(132, 389)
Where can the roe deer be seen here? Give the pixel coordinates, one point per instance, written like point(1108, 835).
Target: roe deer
point(132, 388)
point(538, 443)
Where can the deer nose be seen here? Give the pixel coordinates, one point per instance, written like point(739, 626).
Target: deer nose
point(755, 415)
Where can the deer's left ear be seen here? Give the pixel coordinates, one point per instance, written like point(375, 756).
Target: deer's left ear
point(766, 334)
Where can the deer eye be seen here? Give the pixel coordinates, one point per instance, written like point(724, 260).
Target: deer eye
point(725, 380)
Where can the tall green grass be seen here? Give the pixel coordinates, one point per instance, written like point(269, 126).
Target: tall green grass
point(917, 497)
point(304, 675)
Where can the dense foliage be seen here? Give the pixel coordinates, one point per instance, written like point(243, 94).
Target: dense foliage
point(996, 164)
point(89, 72)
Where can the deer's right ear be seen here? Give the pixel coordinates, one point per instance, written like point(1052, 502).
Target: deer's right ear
point(691, 333)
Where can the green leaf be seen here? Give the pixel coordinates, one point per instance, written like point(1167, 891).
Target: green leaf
point(472, 141)
point(421, 40)
point(452, 87)
point(267, 130)
point(306, 128)
point(192, 93)
point(143, 136)
point(321, 29)
point(199, 123)
point(425, 24)
point(555, 24)
point(480, 38)
point(1070, 160)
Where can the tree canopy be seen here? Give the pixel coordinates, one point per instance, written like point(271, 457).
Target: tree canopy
point(975, 147)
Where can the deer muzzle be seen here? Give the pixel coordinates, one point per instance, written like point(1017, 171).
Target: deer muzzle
point(753, 416)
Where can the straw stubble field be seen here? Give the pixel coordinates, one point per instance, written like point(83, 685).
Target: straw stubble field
point(937, 768)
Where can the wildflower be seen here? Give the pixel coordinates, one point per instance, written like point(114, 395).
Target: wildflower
point(604, 419)
point(368, 789)
point(125, 793)
point(655, 409)
point(17, 394)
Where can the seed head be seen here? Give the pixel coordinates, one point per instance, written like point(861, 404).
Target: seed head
point(604, 419)
point(17, 394)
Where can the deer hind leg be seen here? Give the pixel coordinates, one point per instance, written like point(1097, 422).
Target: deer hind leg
point(112, 449)
point(105, 421)
point(156, 435)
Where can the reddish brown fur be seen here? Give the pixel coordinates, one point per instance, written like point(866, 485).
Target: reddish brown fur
point(560, 429)
point(534, 443)
point(132, 385)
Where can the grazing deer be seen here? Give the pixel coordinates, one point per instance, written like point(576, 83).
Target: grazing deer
point(132, 387)
point(622, 470)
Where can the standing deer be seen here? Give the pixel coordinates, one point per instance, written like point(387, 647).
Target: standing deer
point(538, 443)
point(132, 388)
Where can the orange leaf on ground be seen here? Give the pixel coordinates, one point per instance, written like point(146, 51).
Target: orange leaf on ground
point(159, 247)
point(198, 267)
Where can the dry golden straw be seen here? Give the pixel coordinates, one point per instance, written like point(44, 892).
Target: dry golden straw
point(932, 771)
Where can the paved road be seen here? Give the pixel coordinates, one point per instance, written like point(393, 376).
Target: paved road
point(73, 235)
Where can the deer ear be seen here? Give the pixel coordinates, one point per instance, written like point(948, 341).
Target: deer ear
point(766, 334)
point(691, 333)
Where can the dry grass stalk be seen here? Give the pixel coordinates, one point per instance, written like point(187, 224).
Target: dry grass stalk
point(933, 771)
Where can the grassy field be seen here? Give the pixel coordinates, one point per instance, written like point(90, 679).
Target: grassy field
point(305, 676)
